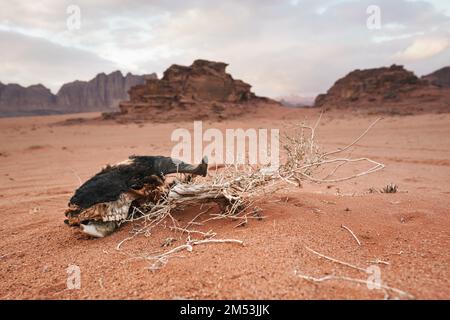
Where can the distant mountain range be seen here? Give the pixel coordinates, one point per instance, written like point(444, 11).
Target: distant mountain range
point(392, 90)
point(106, 91)
point(103, 93)
point(294, 101)
point(439, 78)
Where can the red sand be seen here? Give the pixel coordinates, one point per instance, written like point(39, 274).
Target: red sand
point(410, 230)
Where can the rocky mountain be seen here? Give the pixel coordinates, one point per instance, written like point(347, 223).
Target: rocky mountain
point(99, 94)
point(439, 78)
point(102, 93)
point(201, 91)
point(15, 100)
point(296, 101)
point(385, 90)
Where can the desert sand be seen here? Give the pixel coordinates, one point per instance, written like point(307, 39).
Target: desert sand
point(405, 234)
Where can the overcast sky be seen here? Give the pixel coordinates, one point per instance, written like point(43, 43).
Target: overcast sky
point(298, 47)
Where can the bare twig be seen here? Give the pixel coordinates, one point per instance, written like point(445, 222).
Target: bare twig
point(304, 157)
point(355, 141)
point(162, 258)
point(378, 261)
point(124, 240)
point(362, 281)
point(351, 232)
point(208, 234)
point(335, 260)
point(236, 188)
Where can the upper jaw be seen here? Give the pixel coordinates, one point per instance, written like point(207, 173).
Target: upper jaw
point(98, 229)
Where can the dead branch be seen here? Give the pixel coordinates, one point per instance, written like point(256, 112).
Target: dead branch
point(335, 260)
point(351, 232)
point(304, 157)
point(362, 281)
point(236, 189)
point(163, 258)
point(208, 234)
point(355, 141)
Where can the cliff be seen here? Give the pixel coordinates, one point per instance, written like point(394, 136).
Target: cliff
point(385, 90)
point(102, 93)
point(201, 91)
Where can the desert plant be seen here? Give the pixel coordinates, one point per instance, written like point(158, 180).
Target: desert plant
point(236, 189)
point(390, 188)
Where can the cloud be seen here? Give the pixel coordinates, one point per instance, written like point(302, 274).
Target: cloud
point(280, 47)
point(424, 47)
point(29, 60)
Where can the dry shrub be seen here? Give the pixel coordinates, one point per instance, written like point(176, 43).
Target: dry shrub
point(236, 189)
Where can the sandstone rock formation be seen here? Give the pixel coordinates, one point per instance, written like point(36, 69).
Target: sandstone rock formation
point(18, 100)
point(99, 94)
point(201, 91)
point(385, 90)
point(102, 93)
point(439, 78)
